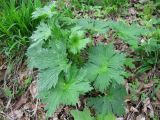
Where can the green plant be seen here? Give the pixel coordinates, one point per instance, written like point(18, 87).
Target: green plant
point(66, 91)
point(108, 104)
point(94, 26)
point(114, 2)
point(106, 66)
point(57, 44)
point(105, 7)
point(149, 50)
point(130, 34)
point(80, 3)
point(16, 25)
point(113, 6)
point(77, 40)
point(133, 89)
point(109, 116)
point(82, 115)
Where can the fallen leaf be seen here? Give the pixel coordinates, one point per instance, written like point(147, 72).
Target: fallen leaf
point(133, 109)
point(140, 117)
point(22, 101)
point(2, 74)
point(2, 94)
point(158, 94)
point(1, 60)
point(120, 118)
point(148, 105)
point(17, 114)
point(132, 11)
point(148, 85)
point(23, 75)
point(98, 39)
point(134, 1)
point(33, 89)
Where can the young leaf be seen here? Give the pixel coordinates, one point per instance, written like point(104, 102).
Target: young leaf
point(77, 40)
point(50, 63)
point(111, 103)
point(82, 115)
point(46, 11)
point(105, 66)
point(67, 91)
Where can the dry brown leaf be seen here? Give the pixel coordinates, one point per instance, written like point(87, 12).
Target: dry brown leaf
point(134, 1)
point(140, 88)
point(148, 85)
point(148, 105)
point(23, 76)
point(120, 118)
point(17, 114)
point(140, 117)
point(132, 11)
point(2, 74)
point(33, 89)
point(22, 101)
point(133, 109)
point(1, 60)
point(158, 94)
point(98, 39)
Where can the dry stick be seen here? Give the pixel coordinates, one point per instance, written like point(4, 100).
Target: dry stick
point(3, 65)
point(35, 110)
point(5, 115)
point(5, 79)
point(8, 103)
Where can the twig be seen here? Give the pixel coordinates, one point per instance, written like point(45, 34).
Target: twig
point(5, 78)
point(35, 110)
point(1, 67)
point(8, 103)
point(5, 115)
point(131, 114)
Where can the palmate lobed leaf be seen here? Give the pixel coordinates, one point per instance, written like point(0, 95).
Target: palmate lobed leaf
point(96, 26)
point(129, 33)
point(86, 115)
point(82, 115)
point(105, 66)
point(50, 62)
point(46, 11)
point(111, 103)
point(43, 32)
point(67, 90)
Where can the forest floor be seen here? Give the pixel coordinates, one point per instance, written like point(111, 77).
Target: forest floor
point(18, 83)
